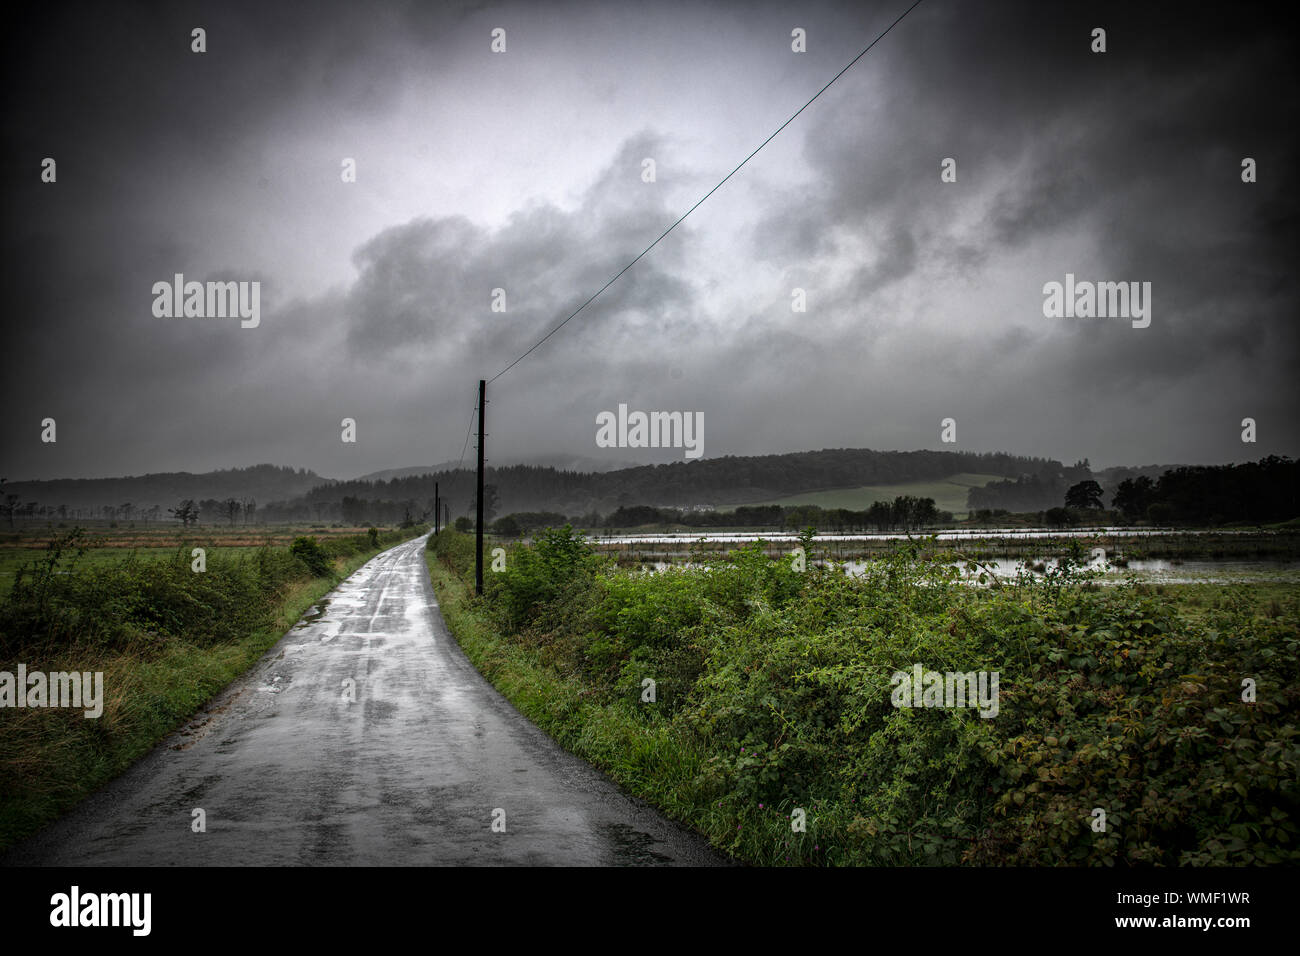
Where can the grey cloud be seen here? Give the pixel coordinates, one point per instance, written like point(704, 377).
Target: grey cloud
point(1132, 155)
point(429, 283)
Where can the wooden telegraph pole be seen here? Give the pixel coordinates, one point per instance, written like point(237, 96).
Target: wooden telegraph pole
point(437, 507)
point(478, 525)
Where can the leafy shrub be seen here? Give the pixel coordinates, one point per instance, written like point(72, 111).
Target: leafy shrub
point(309, 551)
point(538, 573)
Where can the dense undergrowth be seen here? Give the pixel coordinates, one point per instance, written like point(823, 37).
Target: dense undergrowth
point(772, 704)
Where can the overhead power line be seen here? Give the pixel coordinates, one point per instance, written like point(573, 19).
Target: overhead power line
point(620, 272)
point(465, 447)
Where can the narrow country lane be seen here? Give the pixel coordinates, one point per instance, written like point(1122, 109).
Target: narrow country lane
point(364, 737)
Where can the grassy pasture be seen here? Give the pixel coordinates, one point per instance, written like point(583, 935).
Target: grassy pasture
point(948, 494)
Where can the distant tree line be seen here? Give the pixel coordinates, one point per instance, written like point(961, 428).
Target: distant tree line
point(1256, 492)
point(1032, 491)
point(87, 497)
point(904, 513)
point(1263, 491)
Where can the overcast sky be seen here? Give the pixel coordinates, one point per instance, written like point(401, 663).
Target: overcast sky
point(523, 170)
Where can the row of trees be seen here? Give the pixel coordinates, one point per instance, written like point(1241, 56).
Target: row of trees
point(1254, 493)
point(12, 507)
point(351, 511)
point(229, 510)
point(904, 513)
point(1264, 491)
point(235, 511)
point(360, 511)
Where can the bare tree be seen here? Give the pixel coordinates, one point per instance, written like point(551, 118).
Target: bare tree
point(187, 512)
point(9, 505)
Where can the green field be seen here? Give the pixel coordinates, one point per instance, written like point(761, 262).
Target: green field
point(948, 494)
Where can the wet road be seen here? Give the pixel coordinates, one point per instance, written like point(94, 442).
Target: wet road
point(364, 737)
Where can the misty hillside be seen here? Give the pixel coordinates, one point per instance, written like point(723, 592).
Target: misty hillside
point(711, 482)
point(558, 462)
point(261, 482)
point(287, 494)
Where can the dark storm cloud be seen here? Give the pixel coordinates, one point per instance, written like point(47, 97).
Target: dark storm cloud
point(924, 298)
point(1139, 147)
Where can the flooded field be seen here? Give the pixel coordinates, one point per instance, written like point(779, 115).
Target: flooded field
point(1153, 570)
point(1153, 555)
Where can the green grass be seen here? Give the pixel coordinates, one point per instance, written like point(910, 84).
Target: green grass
point(13, 559)
point(1266, 599)
point(105, 545)
point(948, 494)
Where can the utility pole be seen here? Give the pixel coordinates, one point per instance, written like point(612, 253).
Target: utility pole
point(437, 508)
point(478, 525)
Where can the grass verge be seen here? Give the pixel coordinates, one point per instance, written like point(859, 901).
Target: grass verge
point(644, 758)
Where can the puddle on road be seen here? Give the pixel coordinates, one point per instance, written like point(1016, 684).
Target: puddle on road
point(631, 846)
point(276, 684)
point(313, 614)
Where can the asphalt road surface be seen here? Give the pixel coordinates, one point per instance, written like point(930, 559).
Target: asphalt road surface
point(364, 737)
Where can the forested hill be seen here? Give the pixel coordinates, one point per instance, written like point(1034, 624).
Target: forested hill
point(262, 483)
point(713, 481)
